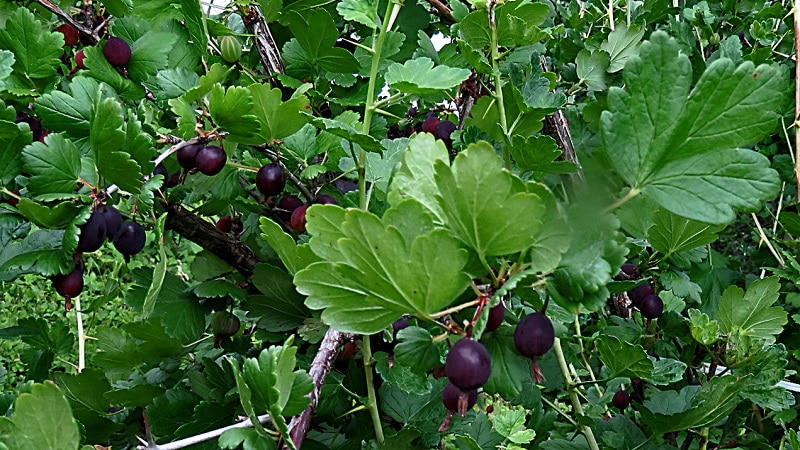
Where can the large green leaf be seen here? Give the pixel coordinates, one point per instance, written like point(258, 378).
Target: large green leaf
point(69, 110)
point(105, 137)
point(671, 233)
point(281, 308)
point(278, 119)
point(415, 178)
point(624, 359)
point(36, 50)
point(54, 165)
point(319, 45)
point(372, 274)
point(418, 76)
point(752, 310)
point(232, 110)
point(295, 257)
point(682, 149)
point(486, 206)
point(43, 419)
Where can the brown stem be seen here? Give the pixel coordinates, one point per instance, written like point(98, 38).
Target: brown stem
point(64, 16)
point(265, 44)
point(320, 367)
point(206, 235)
point(443, 10)
point(558, 124)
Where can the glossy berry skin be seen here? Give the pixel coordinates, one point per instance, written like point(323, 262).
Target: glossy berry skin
point(113, 220)
point(210, 160)
point(444, 129)
point(450, 395)
point(534, 335)
point(270, 179)
point(225, 323)
point(93, 233)
point(429, 124)
point(69, 286)
point(638, 293)
point(298, 220)
point(621, 399)
point(468, 364)
point(70, 34)
point(496, 316)
point(632, 270)
point(326, 200)
point(652, 307)
point(187, 156)
point(117, 51)
point(399, 324)
point(225, 224)
point(79, 59)
point(130, 239)
point(287, 205)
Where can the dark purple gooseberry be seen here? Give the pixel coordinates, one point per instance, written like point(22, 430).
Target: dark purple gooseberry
point(160, 169)
point(298, 220)
point(638, 293)
point(631, 270)
point(270, 179)
point(130, 239)
point(35, 125)
point(117, 51)
point(429, 124)
point(211, 160)
point(534, 335)
point(399, 324)
point(444, 129)
point(621, 399)
point(93, 233)
point(69, 285)
point(451, 395)
point(287, 205)
point(496, 316)
point(326, 200)
point(187, 156)
point(344, 185)
point(224, 224)
point(468, 364)
point(412, 111)
point(113, 220)
point(652, 307)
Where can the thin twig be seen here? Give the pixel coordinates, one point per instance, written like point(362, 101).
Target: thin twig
point(194, 440)
point(443, 10)
point(88, 33)
point(766, 240)
point(265, 44)
point(320, 367)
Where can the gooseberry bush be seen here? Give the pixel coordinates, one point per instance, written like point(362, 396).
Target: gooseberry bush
point(359, 224)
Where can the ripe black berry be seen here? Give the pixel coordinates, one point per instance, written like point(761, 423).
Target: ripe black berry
point(79, 59)
point(632, 270)
point(287, 205)
point(533, 337)
point(34, 123)
point(225, 224)
point(621, 400)
point(496, 316)
point(652, 307)
point(70, 34)
point(270, 179)
point(399, 324)
point(444, 129)
point(113, 220)
point(69, 285)
point(429, 124)
point(93, 233)
point(210, 160)
point(451, 395)
point(468, 364)
point(326, 200)
point(130, 239)
point(298, 220)
point(117, 51)
point(638, 293)
point(187, 156)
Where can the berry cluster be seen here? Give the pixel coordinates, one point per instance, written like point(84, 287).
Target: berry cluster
point(642, 296)
point(207, 159)
point(467, 368)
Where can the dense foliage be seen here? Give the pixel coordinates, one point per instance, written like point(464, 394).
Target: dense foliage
point(362, 224)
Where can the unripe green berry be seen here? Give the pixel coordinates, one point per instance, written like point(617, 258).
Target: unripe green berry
point(230, 48)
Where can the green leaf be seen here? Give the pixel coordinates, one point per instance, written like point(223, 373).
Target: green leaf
point(69, 110)
point(281, 308)
point(682, 149)
point(39, 252)
point(246, 399)
point(196, 24)
point(247, 438)
point(359, 290)
point(149, 54)
point(232, 110)
point(36, 51)
point(361, 11)
point(319, 45)
point(415, 348)
point(6, 63)
point(752, 310)
point(295, 257)
point(418, 76)
point(415, 178)
point(159, 271)
point(54, 165)
point(591, 69)
point(539, 154)
point(534, 89)
point(346, 131)
point(667, 371)
point(511, 372)
point(105, 136)
point(553, 238)
point(486, 206)
point(672, 234)
point(712, 403)
point(55, 217)
point(621, 44)
point(43, 419)
point(624, 359)
point(118, 8)
point(216, 74)
point(704, 330)
point(511, 424)
point(278, 119)
point(99, 68)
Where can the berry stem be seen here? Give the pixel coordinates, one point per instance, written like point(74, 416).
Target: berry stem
point(498, 81)
point(81, 336)
point(369, 362)
point(573, 395)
